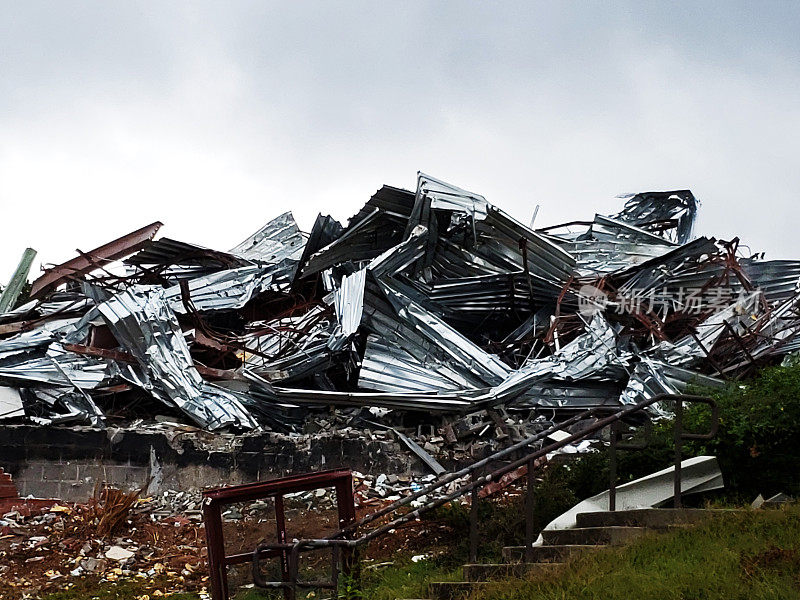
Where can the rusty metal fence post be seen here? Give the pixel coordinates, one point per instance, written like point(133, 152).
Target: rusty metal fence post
point(678, 440)
point(680, 435)
point(214, 500)
point(530, 507)
point(614, 446)
point(473, 524)
point(612, 468)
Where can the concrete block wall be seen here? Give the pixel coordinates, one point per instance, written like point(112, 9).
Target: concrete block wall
point(75, 480)
point(67, 463)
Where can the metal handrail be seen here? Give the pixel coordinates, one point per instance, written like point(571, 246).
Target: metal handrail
point(614, 445)
point(341, 539)
point(680, 435)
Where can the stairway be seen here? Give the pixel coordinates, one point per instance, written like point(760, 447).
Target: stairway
point(594, 530)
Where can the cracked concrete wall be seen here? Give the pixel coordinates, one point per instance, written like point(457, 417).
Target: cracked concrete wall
point(67, 463)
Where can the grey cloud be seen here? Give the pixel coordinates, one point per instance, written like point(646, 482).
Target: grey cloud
point(210, 116)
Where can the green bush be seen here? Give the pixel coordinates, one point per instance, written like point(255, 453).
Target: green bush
point(503, 524)
point(758, 444)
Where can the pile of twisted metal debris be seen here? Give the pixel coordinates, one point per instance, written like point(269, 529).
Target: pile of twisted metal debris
point(433, 301)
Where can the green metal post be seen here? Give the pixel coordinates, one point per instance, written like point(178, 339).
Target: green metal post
point(14, 287)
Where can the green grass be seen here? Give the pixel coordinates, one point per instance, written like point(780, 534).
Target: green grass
point(406, 579)
point(750, 555)
point(402, 579)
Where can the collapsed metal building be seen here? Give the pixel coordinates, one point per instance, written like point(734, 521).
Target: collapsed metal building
point(426, 302)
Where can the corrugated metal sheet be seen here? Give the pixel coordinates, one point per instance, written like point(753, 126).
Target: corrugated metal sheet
point(433, 301)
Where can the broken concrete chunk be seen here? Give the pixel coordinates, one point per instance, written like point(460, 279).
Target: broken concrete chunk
point(118, 553)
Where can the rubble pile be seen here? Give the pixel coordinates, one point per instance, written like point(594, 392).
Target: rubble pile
point(51, 549)
point(433, 302)
point(159, 541)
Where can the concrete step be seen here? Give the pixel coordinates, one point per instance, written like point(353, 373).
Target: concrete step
point(453, 590)
point(654, 518)
point(593, 535)
point(546, 554)
point(483, 572)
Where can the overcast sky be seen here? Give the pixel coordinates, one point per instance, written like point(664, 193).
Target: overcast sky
point(215, 117)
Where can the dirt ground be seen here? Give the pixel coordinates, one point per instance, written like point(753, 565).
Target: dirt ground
point(50, 550)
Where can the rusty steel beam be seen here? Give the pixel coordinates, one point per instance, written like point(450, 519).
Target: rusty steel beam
point(495, 486)
point(215, 499)
point(13, 327)
point(125, 357)
point(88, 261)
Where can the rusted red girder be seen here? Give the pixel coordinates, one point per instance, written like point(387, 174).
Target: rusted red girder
point(88, 261)
point(495, 486)
point(214, 500)
point(125, 357)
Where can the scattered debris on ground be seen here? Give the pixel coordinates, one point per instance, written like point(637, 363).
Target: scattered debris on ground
point(159, 541)
point(46, 550)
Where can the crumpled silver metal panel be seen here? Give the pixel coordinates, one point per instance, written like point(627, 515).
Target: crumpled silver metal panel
point(10, 403)
point(348, 304)
point(230, 289)
point(652, 377)
point(60, 368)
point(389, 366)
point(496, 237)
point(433, 300)
point(57, 405)
point(277, 356)
point(458, 402)
point(651, 209)
point(143, 322)
point(456, 346)
point(594, 354)
point(279, 240)
point(691, 349)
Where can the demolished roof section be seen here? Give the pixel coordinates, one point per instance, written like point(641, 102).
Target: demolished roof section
point(94, 259)
point(433, 301)
point(141, 320)
point(670, 215)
